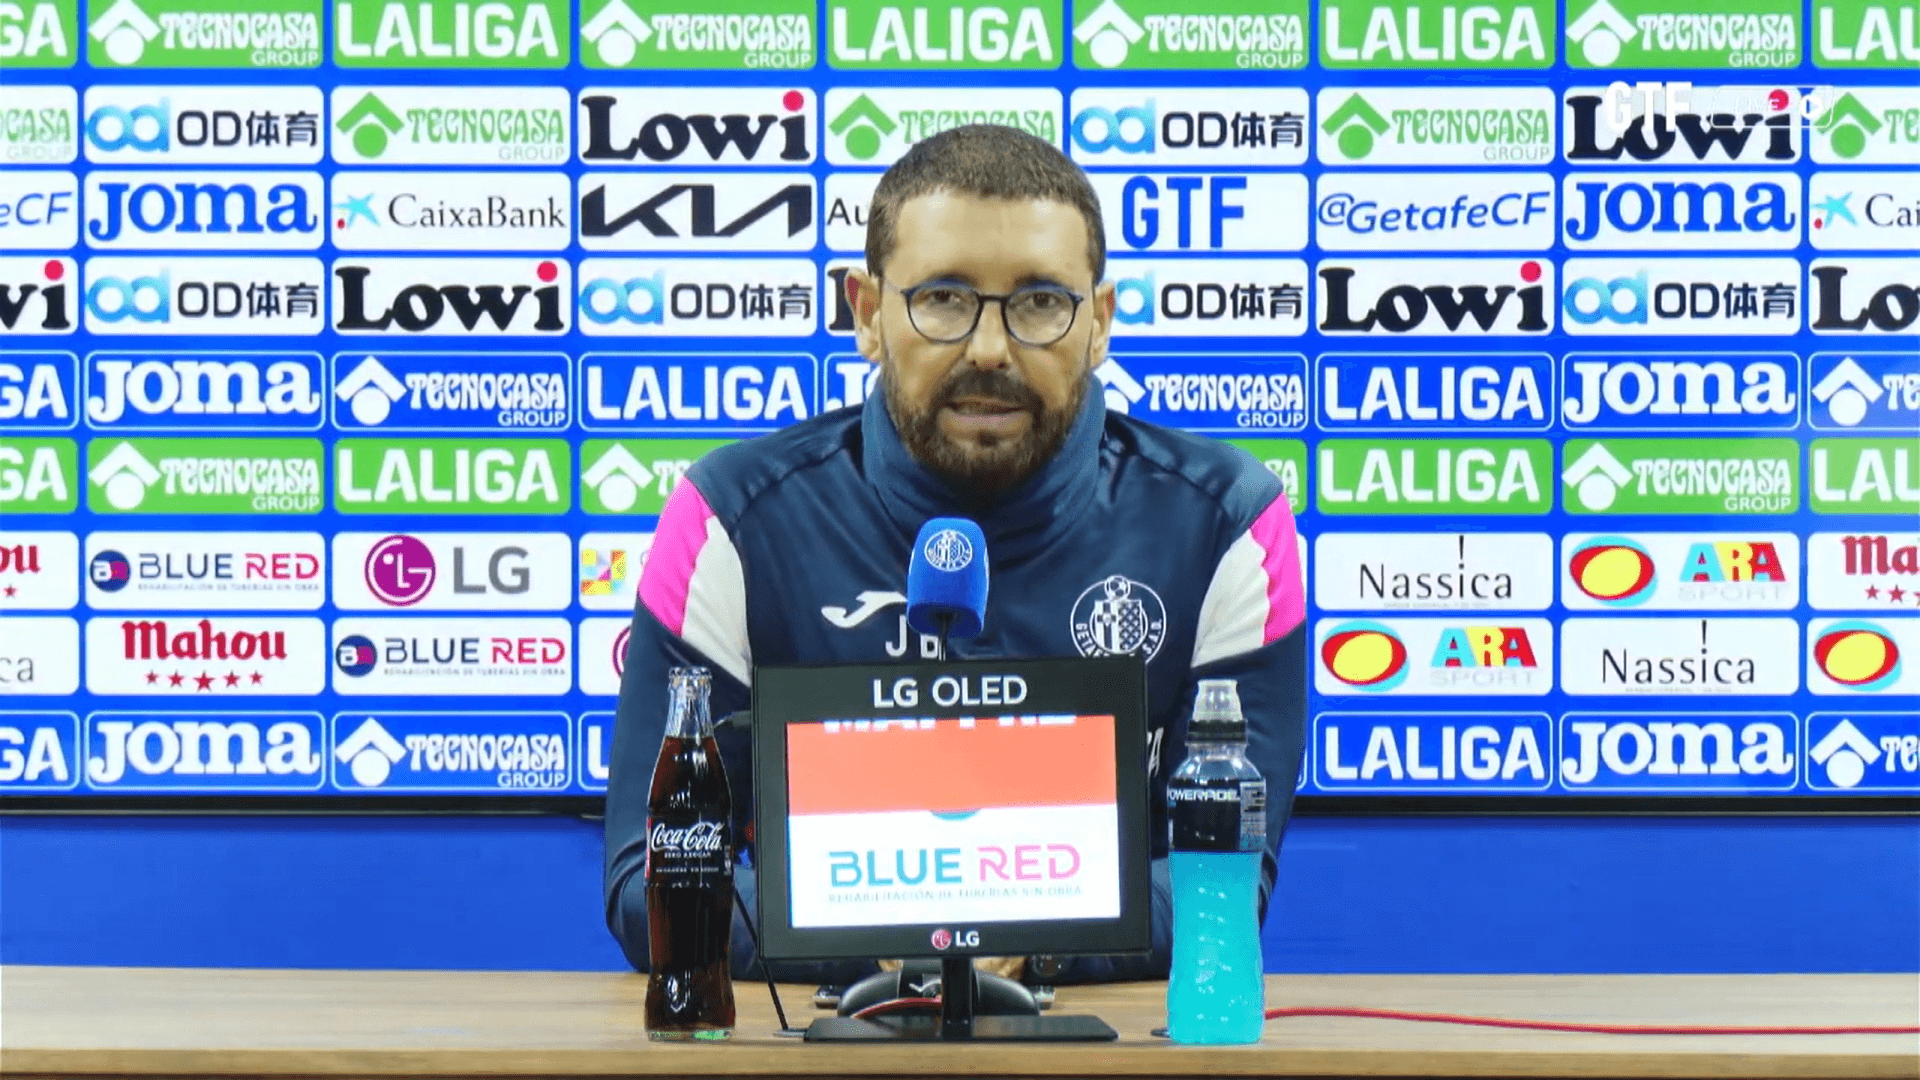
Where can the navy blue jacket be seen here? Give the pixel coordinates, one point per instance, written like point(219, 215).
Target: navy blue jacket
point(792, 548)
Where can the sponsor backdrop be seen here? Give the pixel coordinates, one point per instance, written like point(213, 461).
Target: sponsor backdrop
point(352, 350)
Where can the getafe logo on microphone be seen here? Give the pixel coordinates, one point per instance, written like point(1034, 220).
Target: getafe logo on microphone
point(948, 551)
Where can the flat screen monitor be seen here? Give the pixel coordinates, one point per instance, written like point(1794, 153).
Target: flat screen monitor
point(974, 807)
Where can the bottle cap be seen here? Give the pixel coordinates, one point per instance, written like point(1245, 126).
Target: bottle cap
point(1218, 701)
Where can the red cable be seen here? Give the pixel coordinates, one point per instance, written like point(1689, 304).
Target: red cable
point(903, 1004)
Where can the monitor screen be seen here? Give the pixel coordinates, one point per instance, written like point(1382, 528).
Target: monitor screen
point(1017, 822)
point(982, 806)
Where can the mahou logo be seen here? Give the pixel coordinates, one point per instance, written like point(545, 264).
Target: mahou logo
point(699, 838)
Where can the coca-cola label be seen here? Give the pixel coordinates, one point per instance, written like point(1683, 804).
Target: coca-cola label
point(687, 851)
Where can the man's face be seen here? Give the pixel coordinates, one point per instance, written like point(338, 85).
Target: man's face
point(987, 411)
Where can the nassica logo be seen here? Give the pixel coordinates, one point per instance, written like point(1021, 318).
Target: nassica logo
point(224, 296)
point(210, 657)
point(38, 209)
point(409, 391)
point(486, 211)
point(1234, 128)
point(1435, 391)
point(1864, 391)
point(451, 297)
point(1428, 297)
point(39, 571)
point(1434, 212)
point(696, 393)
point(1655, 296)
point(451, 571)
point(875, 125)
point(1437, 657)
point(1863, 296)
point(38, 295)
point(203, 125)
point(1226, 394)
point(697, 212)
point(240, 391)
point(1675, 657)
point(766, 126)
point(1864, 571)
point(39, 655)
point(1748, 571)
point(1398, 571)
point(1204, 212)
point(1683, 211)
point(210, 571)
point(192, 751)
point(39, 125)
point(39, 391)
point(450, 125)
point(697, 297)
point(1604, 127)
point(1426, 34)
point(436, 656)
point(1435, 125)
point(1654, 392)
point(1209, 298)
point(776, 34)
point(1414, 751)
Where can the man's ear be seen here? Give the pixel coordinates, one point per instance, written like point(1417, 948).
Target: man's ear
point(863, 299)
point(1102, 310)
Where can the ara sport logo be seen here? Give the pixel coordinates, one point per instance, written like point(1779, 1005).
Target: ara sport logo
point(1366, 656)
point(38, 295)
point(455, 297)
point(1425, 297)
point(1859, 655)
point(1682, 572)
point(203, 125)
point(764, 126)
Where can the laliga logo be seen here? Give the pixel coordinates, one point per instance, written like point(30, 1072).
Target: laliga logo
point(948, 551)
point(1613, 570)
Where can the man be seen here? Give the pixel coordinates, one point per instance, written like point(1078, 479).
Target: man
point(983, 304)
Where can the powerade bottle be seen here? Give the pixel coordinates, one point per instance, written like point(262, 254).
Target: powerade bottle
point(1217, 814)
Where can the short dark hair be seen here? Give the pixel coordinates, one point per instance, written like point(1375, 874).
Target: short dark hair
point(988, 161)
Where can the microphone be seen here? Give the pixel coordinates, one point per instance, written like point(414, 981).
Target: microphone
point(947, 580)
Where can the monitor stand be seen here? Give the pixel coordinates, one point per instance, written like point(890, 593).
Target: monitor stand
point(957, 1021)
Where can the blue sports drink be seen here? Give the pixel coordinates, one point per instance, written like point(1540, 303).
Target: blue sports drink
point(1217, 815)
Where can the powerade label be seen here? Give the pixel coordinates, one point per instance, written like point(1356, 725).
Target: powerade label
point(1217, 813)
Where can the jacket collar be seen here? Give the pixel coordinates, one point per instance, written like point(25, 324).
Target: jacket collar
point(1019, 523)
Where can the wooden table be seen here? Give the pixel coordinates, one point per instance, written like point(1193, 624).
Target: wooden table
point(222, 1022)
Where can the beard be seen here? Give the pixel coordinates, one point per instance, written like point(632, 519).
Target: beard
point(989, 464)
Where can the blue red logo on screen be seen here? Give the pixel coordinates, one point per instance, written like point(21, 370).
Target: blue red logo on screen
point(110, 571)
point(1365, 655)
point(355, 655)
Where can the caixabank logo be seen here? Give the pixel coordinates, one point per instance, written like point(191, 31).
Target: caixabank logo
point(1865, 211)
point(138, 126)
point(416, 211)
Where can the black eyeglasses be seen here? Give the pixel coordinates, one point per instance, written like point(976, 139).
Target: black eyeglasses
point(946, 312)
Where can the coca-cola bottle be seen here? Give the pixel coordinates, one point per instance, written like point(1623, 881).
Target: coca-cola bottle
point(689, 872)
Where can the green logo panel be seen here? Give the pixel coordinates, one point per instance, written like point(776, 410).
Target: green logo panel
point(635, 476)
point(1681, 476)
point(1434, 476)
point(731, 35)
point(452, 476)
point(1284, 458)
point(1211, 35)
point(38, 476)
point(38, 33)
point(449, 34)
point(872, 35)
point(1430, 34)
point(1865, 476)
point(1683, 33)
point(1867, 34)
point(204, 476)
point(229, 34)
